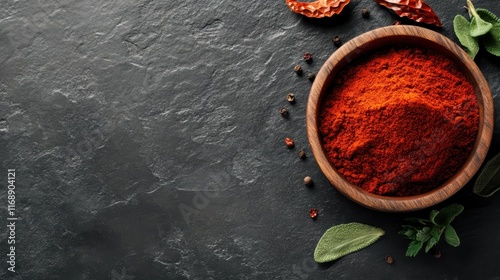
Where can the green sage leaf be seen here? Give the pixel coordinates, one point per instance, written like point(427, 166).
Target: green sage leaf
point(417, 220)
point(462, 30)
point(435, 236)
point(424, 234)
point(487, 16)
point(491, 40)
point(451, 237)
point(431, 243)
point(408, 231)
point(344, 239)
point(447, 214)
point(414, 248)
point(488, 181)
point(479, 27)
point(433, 215)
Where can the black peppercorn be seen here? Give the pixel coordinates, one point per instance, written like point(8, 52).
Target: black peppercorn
point(284, 112)
point(365, 13)
point(308, 57)
point(311, 76)
point(436, 253)
point(297, 69)
point(302, 154)
point(389, 259)
point(337, 41)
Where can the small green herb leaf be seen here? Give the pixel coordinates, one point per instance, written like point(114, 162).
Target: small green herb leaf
point(408, 231)
point(417, 220)
point(431, 243)
point(428, 231)
point(487, 15)
point(462, 29)
point(492, 43)
point(424, 234)
point(484, 26)
point(491, 40)
point(435, 236)
point(478, 26)
point(488, 181)
point(433, 215)
point(451, 237)
point(344, 239)
point(447, 214)
point(413, 248)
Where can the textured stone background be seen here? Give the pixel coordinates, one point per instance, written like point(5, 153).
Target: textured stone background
point(117, 115)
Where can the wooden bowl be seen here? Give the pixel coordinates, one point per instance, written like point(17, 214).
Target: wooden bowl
point(418, 37)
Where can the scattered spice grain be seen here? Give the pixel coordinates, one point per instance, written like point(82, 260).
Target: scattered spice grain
point(389, 259)
point(337, 41)
point(313, 213)
point(298, 69)
point(436, 254)
point(284, 112)
point(308, 57)
point(311, 76)
point(365, 13)
point(289, 142)
point(308, 181)
point(301, 154)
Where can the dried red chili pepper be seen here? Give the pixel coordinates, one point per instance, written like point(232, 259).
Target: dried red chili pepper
point(319, 8)
point(416, 10)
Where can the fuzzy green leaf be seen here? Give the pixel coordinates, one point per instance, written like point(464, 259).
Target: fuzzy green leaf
point(462, 30)
point(344, 239)
point(491, 40)
point(487, 16)
point(447, 214)
point(479, 27)
point(451, 237)
point(413, 248)
point(488, 181)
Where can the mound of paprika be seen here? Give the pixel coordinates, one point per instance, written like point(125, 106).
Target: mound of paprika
point(400, 121)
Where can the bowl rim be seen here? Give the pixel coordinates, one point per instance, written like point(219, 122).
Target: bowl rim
point(412, 35)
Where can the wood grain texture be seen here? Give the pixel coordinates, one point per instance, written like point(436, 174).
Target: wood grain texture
point(419, 37)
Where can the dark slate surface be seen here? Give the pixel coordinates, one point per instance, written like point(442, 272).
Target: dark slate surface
point(118, 115)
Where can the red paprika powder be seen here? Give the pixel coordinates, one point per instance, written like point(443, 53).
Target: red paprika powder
point(400, 121)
